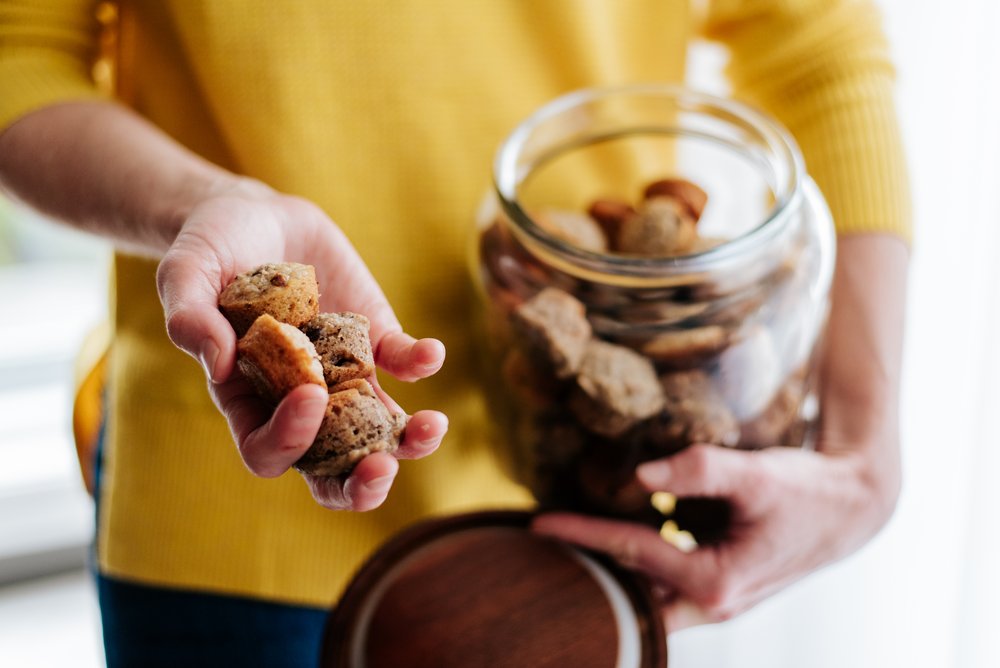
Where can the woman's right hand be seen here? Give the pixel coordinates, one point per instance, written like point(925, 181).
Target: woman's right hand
point(245, 224)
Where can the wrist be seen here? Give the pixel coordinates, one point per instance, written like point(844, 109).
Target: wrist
point(198, 188)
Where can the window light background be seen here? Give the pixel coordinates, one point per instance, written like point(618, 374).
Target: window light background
point(924, 593)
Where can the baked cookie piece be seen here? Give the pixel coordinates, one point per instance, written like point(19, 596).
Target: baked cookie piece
point(343, 345)
point(684, 348)
point(554, 328)
point(356, 424)
point(693, 412)
point(689, 195)
point(615, 388)
point(276, 358)
point(575, 228)
point(287, 291)
point(662, 227)
point(776, 421)
point(610, 214)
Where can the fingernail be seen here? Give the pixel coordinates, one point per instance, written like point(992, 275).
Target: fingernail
point(653, 473)
point(422, 437)
point(380, 485)
point(209, 356)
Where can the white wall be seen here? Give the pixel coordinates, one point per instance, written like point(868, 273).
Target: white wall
point(925, 592)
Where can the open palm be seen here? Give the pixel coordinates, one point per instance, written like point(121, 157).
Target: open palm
point(236, 231)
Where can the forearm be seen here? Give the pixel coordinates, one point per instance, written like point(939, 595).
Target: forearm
point(862, 361)
point(100, 167)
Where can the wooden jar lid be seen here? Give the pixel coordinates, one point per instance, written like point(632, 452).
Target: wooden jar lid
point(482, 590)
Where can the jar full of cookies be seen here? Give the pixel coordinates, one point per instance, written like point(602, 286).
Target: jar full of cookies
point(655, 266)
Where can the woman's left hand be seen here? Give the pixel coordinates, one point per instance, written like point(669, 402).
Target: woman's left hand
point(792, 510)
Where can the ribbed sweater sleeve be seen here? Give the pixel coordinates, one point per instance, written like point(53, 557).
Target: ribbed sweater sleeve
point(47, 48)
point(823, 68)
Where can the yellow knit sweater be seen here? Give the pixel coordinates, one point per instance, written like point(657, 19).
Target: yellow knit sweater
point(387, 115)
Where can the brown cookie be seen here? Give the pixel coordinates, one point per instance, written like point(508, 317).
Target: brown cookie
point(343, 345)
point(553, 327)
point(615, 388)
point(685, 348)
point(686, 193)
point(277, 358)
point(693, 412)
point(610, 215)
point(287, 291)
point(774, 424)
point(356, 424)
point(575, 228)
point(661, 228)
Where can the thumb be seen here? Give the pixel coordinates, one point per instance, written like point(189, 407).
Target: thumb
point(190, 305)
point(703, 471)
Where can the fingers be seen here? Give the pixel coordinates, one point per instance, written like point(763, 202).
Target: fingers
point(682, 614)
point(423, 434)
point(407, 358)
point(365, 489)
point(633, 546)
point(706, 590)
point(370, 481)
point(194, 323)
point(270, 447)
point(703, 470)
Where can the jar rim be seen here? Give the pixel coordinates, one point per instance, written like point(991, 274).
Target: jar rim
point(508, 175)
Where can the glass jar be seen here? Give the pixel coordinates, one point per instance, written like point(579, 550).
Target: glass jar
point(603, 359)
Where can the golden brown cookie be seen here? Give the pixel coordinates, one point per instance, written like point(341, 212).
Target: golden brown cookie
point(662, 227)
point(575, 228)
point(287, 291)
point(553, 326)
point(610, 214)
point(684, 348)
point(773, 424)
point(276, 358)
point(356, 424)
point(615, 388)
point(693, 412)
point(686, 193)
point(342, 342)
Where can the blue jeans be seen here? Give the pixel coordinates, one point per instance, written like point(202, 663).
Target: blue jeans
point(154, 626)
point(150, 626)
